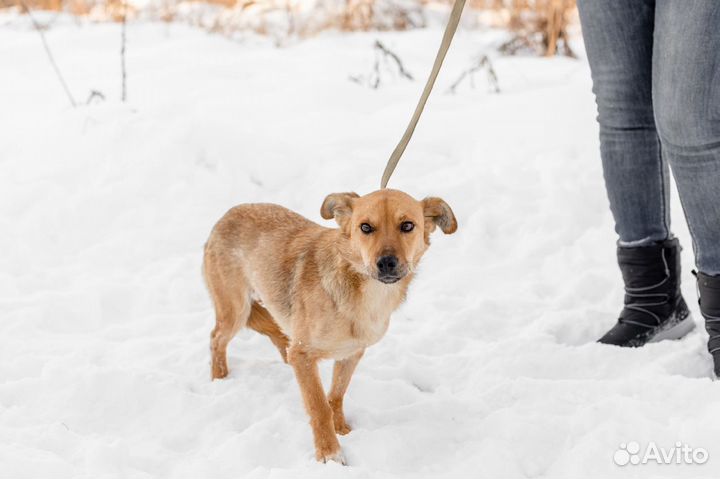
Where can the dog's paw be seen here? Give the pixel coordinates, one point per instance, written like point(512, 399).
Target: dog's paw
point(219, 372)
point(338, 457)
point(341, 427)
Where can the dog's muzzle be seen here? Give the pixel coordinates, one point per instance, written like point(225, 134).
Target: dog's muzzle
point(389, 270)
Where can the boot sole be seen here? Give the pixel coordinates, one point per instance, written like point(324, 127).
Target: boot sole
point(674, 331)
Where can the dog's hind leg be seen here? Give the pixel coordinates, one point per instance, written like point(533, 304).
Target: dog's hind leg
point(228, 321)
point(262, 321)
point(230, 294)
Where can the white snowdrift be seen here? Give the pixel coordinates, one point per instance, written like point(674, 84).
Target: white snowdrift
point(489, 370)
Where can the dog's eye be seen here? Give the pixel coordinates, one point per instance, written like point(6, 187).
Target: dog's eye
point(407, 226)
point(366, 228)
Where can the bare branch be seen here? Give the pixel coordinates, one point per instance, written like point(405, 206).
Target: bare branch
point(382, 55)
point(122, 52)
point(93, 95)
point(389, 53)
point(40, 31)
point(483, 63)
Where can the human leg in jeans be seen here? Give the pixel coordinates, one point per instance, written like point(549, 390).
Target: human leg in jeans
point(656, 75)
point(686, 91)
point(619, 38)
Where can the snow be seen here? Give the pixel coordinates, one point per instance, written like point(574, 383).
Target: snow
point(489, 370)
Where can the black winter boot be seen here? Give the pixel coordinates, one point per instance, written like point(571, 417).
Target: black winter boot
point(709, 291)
point(654, 306)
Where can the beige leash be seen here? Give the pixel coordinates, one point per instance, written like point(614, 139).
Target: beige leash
point(444, 47)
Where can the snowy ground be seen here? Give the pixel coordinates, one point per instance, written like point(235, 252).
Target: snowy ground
point(489, 370)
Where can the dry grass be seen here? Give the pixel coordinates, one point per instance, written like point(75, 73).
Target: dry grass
point(381, 15)
point(111, 8)
point(538, 26)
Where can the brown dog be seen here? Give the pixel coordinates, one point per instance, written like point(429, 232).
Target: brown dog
point(318, 292)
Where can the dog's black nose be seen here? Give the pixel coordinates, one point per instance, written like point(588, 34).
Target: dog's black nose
point(387, 265)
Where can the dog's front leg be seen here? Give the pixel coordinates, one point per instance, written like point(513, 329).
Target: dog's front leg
point(327, 447)
point(342, 372)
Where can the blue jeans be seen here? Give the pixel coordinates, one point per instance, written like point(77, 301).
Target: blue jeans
point(656, 77)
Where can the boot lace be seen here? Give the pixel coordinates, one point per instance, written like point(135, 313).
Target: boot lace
point(640, 299)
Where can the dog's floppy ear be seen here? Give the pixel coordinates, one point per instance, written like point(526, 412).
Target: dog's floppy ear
point(338, 206)
point(438, 213)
